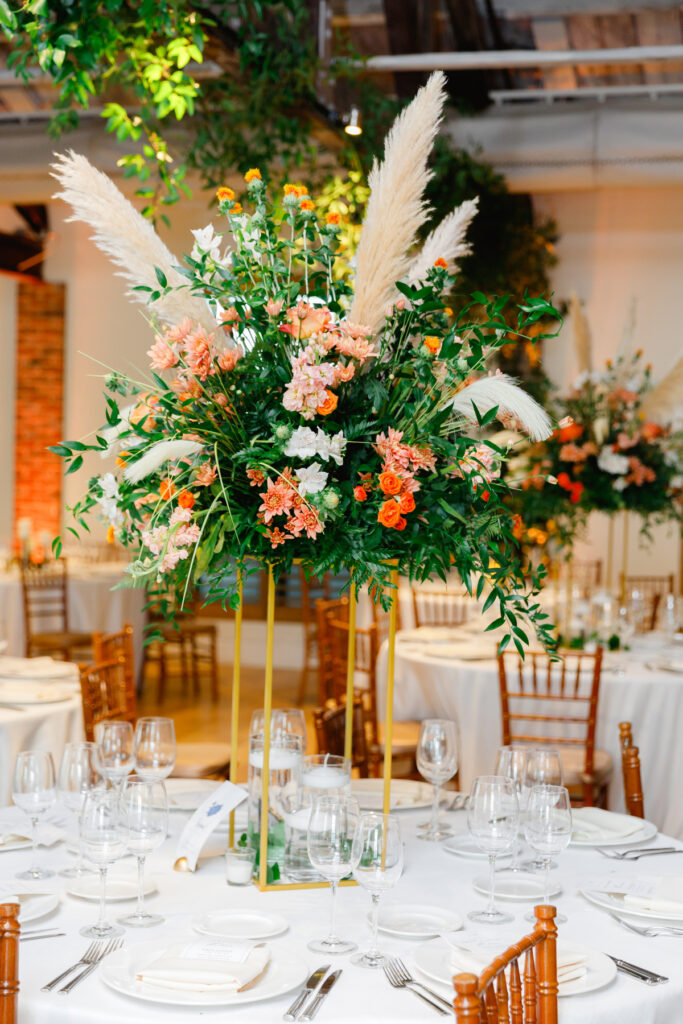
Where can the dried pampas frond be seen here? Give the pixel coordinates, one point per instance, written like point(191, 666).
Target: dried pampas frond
point(396, 209)
point(126, 238)
point(623, 359)
point(502, 391)
point(582, 336)
point(162, 451)
point(447, 241)
point(665, 402)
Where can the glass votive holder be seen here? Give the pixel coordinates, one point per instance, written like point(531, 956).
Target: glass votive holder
point(239, 864)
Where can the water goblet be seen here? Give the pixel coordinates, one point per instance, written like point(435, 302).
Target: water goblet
point(543, 767)
point(104, 840)
point(331, 832)
point(79, 773)
point(33, 790)
point(115, 750)
point(493, 821)
point(154, 748)
point(378, 856)
point(511, 764)
point(144, 808)
point(437, 761)
point(548, 829)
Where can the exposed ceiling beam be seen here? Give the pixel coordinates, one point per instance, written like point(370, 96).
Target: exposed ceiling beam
point(522, 58)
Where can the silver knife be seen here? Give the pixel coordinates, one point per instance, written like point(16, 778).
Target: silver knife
point(324, 990)
point(310, 986)
point(640, 973)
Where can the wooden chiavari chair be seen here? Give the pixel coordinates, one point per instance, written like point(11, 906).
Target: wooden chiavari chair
point(325, 609)
point(439, 606)
point(653, 590)
point(110, 646)
point(195, 644)
point(630, 769)
point(9, 962)
point(555, 703)
point(330, 729)
point(46, 613)
point(586, 575)
point(529, 995)
point(312, 591)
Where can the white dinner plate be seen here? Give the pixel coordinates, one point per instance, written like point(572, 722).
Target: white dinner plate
point(240, 924)
point(406, 794)
point(29, 692)
point(645, 833)
point(433, 959)
point(616, 906)
point(37, 905)
point(416, 921)
point(517, 885)
point(666, 665)
point(119, 888)
point(189, 794)
point(286, 971)
point(464, 845)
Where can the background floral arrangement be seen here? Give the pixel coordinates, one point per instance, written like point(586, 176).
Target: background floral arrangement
point(286, 416)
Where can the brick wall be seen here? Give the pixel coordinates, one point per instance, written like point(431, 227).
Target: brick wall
point(39, 404)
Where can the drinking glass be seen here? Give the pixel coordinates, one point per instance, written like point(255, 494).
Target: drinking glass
point(543, 767)
point(33, 790)
point(625, 628)
point(79, 774)
point(144, 810)
point(511, 764)
point(493, 821)
point(548, 829)
point(331, 832)
point(283, 722)
point(437, 761)
point(104, 840)
point(115, 750)
point(378, 856)
point(154, 748)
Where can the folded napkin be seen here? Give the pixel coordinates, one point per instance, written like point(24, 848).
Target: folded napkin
point(48, 835)
point(666, 898)
point(215, 965)
point(592, 824)
point(8, 838)
point(571, 965)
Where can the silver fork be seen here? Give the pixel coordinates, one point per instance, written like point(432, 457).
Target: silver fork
point(109, 948)
point(636, 854)
point(400, 977)
point(92, 950)
point(649, 932)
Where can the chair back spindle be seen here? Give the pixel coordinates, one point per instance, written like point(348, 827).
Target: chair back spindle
point(630, 769)
point(9, 962)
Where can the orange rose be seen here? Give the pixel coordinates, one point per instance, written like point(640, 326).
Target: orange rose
point(329, 405)
point(432, 343)
point(441, 263)
point(224, 194)
point(651, 430)
point(401, 524)
point(572, 432)
point(389, 483)
point(253, 174)
point(166, 489)
point(186, 499)
point(389, 513)
point(360, 494)
point(406, 502)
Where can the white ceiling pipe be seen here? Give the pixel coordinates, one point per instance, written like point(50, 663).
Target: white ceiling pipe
point(485, 59)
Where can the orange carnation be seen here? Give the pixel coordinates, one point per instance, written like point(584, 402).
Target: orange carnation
point(253, 174)
point(389, 513)
point(223, 194)
point(307, 204)
point(329, 405)
point(432, 343)
point(406, 502)
point(166, 489)
point(389, 483)
point(186, 499)
point(360, 494)
point(441, 263)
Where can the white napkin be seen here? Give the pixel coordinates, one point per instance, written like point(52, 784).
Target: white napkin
point(666, 898)
point(592, 824)
point(48, 835)
point(570, 964)
point(36, 668)
point(215, 965)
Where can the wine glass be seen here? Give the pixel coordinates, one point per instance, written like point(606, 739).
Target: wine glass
point(154, 748)
point(543, 767)
point(144, 808)
point(104, 840)
point(378, 856)
point(79, 773)
point(33, 790)
point(511, 764)
point(437, 761)
point(331, 832)
point(548, 829)
point(115, 750)
point(493, 821)
point(283, 723)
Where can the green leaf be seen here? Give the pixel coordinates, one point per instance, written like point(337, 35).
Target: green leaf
point(161, 277)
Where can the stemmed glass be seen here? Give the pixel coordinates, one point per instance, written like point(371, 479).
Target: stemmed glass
point(378, 856)
point(144, 809)
point(104, 841)
point(115, 750)
point(154, 748)
point(79, 774)
point(543, 768)
point(331, 832)
point(548, 829)
point(283, 723)
point(493, 821)
point(511, 764)
point(437, 761)
point(33, 790)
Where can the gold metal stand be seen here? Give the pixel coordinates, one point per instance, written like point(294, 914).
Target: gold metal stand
point(624, 559)
point(610, 553)
point(235, 713)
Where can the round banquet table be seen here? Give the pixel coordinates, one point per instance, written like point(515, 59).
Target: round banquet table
point(427, 685)
point(431, 876)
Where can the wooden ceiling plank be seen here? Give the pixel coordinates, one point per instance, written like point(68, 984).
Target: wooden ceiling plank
point(584, 34)
point(551, 34)
point(660, 28)
point(619, 30)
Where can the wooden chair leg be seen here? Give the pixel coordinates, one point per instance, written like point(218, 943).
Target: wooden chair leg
point(161, 686)
point(191, 643)
point(214, 668)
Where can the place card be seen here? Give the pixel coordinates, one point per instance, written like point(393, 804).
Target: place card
point(204, 821)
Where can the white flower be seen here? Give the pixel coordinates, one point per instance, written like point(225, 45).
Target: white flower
point(600, 429)
point(206, 242)
point(620, 483)
point(331, 447)
point(302, 444)
point(612, 462)
point(311, 478)
point(109, 485)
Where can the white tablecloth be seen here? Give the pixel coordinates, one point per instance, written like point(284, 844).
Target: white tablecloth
point(430, 686)
point(93, 606)
point(431, 876)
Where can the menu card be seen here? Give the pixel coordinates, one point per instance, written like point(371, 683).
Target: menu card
point(205, 819)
